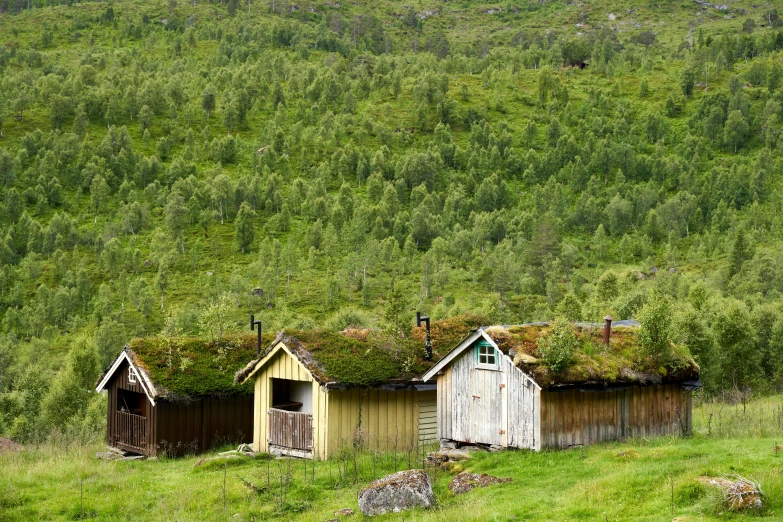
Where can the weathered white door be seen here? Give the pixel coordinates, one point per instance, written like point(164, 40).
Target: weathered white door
point(486, 406)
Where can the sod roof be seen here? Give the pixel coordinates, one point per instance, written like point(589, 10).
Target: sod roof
point(594, 363)
point(368, 357)
point(190, 367)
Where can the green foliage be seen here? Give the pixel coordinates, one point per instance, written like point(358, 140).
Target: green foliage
point(244, 227)
point(217, 318)
point(558, 347)
point(739, 360)
point(69, 394)
point(463, 172)
point(656, 327)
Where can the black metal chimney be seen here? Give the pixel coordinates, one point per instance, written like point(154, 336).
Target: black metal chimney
point(253, 324)
point(427, 342)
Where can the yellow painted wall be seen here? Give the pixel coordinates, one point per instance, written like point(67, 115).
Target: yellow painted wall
point(280, 366)
point(389, 418)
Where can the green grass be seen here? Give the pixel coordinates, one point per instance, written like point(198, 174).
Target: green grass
point(590, 483)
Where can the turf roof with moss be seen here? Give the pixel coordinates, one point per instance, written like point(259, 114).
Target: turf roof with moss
point(191, 367)
point(369, 357)
point(593, 363)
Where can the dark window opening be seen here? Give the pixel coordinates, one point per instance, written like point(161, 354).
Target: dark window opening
point(131, 402)
point(292, 395)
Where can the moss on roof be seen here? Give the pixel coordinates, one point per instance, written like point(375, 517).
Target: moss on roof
point(621, 362)
point(195, 366)
point(367, 357)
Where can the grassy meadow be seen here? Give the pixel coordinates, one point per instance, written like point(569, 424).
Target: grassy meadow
point(640, 479)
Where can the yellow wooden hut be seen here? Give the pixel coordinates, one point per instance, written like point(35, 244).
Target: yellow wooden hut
point(301, 410)
point(318, 391)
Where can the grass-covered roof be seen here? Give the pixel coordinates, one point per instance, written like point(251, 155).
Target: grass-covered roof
point(367, 357)
point(623, 361)
point(186, 367)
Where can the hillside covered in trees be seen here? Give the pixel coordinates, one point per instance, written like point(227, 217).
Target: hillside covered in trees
point(174, 167)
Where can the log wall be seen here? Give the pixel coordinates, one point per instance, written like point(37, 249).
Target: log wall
point(428, 416)
point(199, 425)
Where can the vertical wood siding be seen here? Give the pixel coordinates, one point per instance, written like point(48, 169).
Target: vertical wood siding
point(283, 366)
point(486, 406)
point(120, 381)
point(202, 424)
point(388, 419)
point(183, 427)
point(572, 417)
point(291, 429)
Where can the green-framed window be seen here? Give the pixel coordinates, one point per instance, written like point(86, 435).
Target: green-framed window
point(486, 356)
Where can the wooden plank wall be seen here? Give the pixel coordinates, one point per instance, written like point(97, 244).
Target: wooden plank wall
point(291, 429)
point(522, 413)
point(428, 416)
point(389, 418)
point(120, 381)
point(572, 417)
point(182, 428)
point(284, 366)
point(473, 407)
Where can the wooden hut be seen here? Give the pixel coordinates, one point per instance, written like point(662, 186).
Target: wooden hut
point(493, 389)
point(311, 399)
point(177, 395)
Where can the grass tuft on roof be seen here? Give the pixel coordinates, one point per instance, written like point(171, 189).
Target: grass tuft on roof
point(188, 367)
point(364, 357)
point(623, 361)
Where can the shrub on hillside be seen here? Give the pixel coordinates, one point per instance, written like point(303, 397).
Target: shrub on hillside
point(656, 325)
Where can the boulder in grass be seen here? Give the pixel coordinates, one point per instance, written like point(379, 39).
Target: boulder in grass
point(739, 494)
point(397, 492)
point(465, 481)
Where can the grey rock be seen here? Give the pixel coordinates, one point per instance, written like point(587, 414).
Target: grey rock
point(397, 492)
point(465, 481)
point(447, 444)
point(437, 458)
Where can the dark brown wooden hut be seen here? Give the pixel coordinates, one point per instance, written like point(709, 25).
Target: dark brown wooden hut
point(176, 416)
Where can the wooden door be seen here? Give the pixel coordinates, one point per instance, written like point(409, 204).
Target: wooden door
point(486, 406)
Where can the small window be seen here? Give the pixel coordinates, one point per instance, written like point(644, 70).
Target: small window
point(131, 374)
point(486, 356)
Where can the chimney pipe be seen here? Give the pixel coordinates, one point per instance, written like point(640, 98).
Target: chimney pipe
point(253, 324)
point(607, 329)
point(427, 342)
